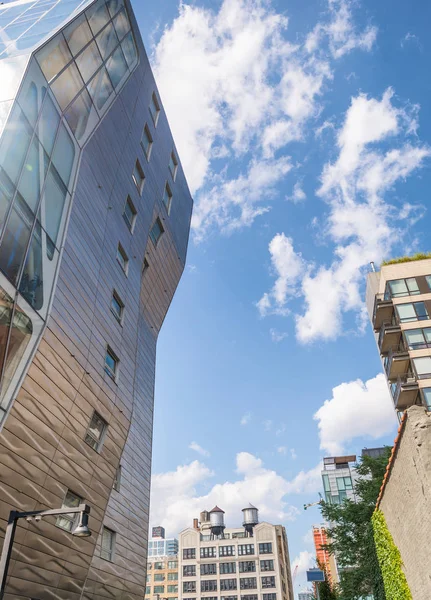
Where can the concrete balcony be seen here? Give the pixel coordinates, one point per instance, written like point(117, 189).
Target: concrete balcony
point(405, 392)
point(397, 363)
point(389, 336)
point(383, 311)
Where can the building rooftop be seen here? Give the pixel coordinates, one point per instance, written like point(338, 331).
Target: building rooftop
point(404, 259)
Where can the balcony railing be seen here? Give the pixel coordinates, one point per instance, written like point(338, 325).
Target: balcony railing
point(404, 390)
point(383, 311)
point(388, 328)
point(397, 362)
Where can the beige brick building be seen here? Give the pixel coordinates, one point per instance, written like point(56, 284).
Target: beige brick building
point(405, 499)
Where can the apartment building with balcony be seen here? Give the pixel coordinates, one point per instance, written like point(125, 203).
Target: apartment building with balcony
point(243, 563)
point(94, 223)
point(399, 305)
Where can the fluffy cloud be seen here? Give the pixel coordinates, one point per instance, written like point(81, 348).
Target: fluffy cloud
point(298, 194)
point(359, 221)
point(245, 419)
point(175, 501)
point(242, 93)
point(195, 446)
point(277, 336)
point(356, 409)
point(304, 561)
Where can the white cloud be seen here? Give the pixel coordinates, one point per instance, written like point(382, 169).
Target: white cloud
point(242, 93)
point(304, 561)
point(195, 446)
point(307, 482)
point(410, 38)
point(298, 194)
point(245, 419)
point(282, 450)
point(359, 222)
point(356, 409)
point(175, 500)
point(281, 429)
point(277, 336)
point(293, 454)
point(267, 425)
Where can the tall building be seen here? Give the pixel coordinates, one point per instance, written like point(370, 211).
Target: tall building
point(325, 560)
point(245, 563)
point(399, 306)
point(94, 223)
point(162, 578)
point(339, 478)
point(159, 546)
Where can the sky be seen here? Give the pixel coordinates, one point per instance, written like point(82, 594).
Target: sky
point(304, 129)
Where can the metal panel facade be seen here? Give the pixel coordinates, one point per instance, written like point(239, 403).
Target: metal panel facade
point(43, 452)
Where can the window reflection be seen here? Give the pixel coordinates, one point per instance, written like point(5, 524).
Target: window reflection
point(114, 6)
point(122, 25)
point(5, 316)
point(29, 184)
point(64, 154)
point(48, 124)
point(55, 197)
point(16, 237)
point(78, 115)
point(89, 61)
point(98, 16)
point(117, 67)
point(78, 34)
point(101, 88)
point(31, 285)
point(6, 194)
point(53, 57)
point(107, 40)
point(67, 86)
point(129, 49)
point(15, 143)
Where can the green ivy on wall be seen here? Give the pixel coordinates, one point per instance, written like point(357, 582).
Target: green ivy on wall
point(395, 582)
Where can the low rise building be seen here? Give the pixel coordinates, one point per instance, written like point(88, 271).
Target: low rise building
point(162, 578)
point(158, 545)
point(243, 563)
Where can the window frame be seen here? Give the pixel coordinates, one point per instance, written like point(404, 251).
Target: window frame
point(162, 231)
point(141, 183)
point(123, 254)
point(244, 564)
point(88, 434)
point(248, 583)
point(112, 550)
point(249, 550)
point(189, 570)
point(424, 375)
point(167, 192)
point(112, 374)
point(154, 102)
point(390, 294)
point(118, 316)
point(226, 551)
point(268, 581)
point(264, 567)
point(228, 584)
point(130, 224)
point(208, 552)
point(117, 479)
point(189, 553)
point(175, 163)
point(208, 569)
point(227, 568)
point(265, 548)
point(147, 133)
point(70, 518)
point(209, 585)
point(410, 319)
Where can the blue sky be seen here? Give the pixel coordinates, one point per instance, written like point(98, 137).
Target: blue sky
point(304, 132)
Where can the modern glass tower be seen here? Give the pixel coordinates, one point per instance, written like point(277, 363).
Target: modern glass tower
point(94, 222)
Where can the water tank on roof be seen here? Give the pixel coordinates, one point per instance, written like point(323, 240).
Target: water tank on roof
point(251, 518)
point(217, 521)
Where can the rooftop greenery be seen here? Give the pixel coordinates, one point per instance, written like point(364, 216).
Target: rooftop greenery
point(403, 259)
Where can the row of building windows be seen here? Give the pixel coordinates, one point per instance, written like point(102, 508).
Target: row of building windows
point(271, 596)
point(397, 288)
point(172, 564)
point(245, 583)
point(227, 568)
point(161, 577)
point(211, 552)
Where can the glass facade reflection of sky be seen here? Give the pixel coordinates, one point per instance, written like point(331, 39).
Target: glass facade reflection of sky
point(69, 84)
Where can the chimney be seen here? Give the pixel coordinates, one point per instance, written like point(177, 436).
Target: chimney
point(195, 524)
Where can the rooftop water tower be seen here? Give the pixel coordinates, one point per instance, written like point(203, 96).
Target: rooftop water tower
point(251, 518)
point(217, 521)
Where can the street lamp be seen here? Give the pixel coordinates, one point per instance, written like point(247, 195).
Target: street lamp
point(81, 530)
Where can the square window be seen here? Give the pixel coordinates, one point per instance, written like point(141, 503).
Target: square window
point(156, 231)
point(111, 363)
point(96, 431)
point(173, 165)
point(117, 479)
point(108, 543)
point(122, 258)
point(138, 177)
point(167, 198)
point(129, 214)
point(147, 142)
point(117, 306)
point(154, 109)
point(68, 522)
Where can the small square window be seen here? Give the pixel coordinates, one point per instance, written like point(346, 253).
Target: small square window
point(167, 198)
point(68, 522)
point(156, 231)
point(117, 306)
point(117, 479)
point(129, 214)
point(154, 109)
point(111, 363)
point(138, 177)
point(108, 543)
point(122, 258)
point(173, 165)
point(147, 142)
point(96, 431)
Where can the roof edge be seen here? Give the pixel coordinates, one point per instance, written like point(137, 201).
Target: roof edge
point(392, 459)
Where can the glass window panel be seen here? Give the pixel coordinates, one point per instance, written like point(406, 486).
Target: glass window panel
point(64, 154)
point(427, 334)
point(114, 6)
point(54, 197)
point(78, 34)
point(129, 49)
point(67, 86)
point(427, 397)
point(398, 288)
point(20, 335)
point(16, 237)
point(406, 312)
point(146, 142)
point(428, 280)
point(15, 143)
point(53, 57)
point(412, 286)
point(100, 88)
point(423, 366)
point(340, 483)
point(78, 115)
point(5, 317)
point(34, 168)
point(122, 25)
point(29, 103)
point(7, 190)
point(31, 285)
point(97, 426)
point(107, 40)
point(415, 338)
point(421, 310)
point(97, 16)
point(89, 61)
point(156, 232)
point(117, 67)
point(5, 107)
point(167, 198)
point(48, 123)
